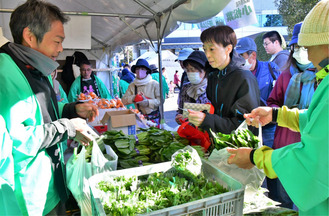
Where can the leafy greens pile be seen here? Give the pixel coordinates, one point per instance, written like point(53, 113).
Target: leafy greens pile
point(236, 139)
point(151, 146)
point(130, 196)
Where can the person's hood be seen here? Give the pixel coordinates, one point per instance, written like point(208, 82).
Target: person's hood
point(237, 62)
point(125, 71)
point(127, 76)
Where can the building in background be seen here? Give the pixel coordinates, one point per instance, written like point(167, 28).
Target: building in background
point(188, 34)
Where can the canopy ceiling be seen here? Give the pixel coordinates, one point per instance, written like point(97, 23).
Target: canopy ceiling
point(116, 23)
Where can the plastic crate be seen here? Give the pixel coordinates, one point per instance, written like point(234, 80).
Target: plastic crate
point(230, 203)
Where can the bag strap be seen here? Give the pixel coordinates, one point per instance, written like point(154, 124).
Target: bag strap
point(136, 94)
point(271, 71)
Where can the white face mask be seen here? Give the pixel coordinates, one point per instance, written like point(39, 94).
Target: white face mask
point(194, 77)
point(301, 56)
point(247, 65)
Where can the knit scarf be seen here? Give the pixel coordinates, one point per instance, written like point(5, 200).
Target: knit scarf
point(296, 97)
point(196, 90)
point(34, 58)
point(144, 81)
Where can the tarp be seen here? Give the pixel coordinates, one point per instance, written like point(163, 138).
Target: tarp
point(116, 23)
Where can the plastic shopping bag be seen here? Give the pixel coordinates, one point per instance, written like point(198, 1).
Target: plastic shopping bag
point(252, 177)
point(79, 170)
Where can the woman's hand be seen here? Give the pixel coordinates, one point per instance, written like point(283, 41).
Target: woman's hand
point(240, 157)
point(262, 115)
point(196, 117)
point(178, 117)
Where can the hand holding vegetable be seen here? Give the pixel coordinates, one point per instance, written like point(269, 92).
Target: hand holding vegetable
point(83, 131)
point(262, 115)
point(196, 117)
point(240, 157)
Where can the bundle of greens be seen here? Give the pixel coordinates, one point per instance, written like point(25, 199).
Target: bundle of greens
point(236, 139)
point(130, 196)
point(152, 145)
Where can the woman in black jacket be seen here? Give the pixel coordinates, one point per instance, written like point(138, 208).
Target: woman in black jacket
point(232, 89)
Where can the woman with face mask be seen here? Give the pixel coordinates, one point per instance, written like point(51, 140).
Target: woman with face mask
point(195, 90)
point(294, 89)
point(144, 92)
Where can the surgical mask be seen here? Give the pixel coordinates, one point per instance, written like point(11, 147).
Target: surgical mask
point(194, 77)
point(247, 65)
point(141, 73)
point(301, 56)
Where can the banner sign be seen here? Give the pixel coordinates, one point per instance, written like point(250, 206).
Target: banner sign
point(240, 13)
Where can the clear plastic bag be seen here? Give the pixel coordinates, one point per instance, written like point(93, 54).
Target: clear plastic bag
point(252, 177)
point(185, 165)
point(78, 172)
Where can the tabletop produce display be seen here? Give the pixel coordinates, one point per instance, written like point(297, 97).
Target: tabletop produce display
point(169, 188)
point(151, 146)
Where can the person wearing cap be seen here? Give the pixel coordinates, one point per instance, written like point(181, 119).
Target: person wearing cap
point(301, 167)
point(155, 75)
point(87, 82)
point(294, 88)
point(231, 88)
point(272, 42)
point(144, 92)
point(182, 55)
point(266, 74)
point(195, 90)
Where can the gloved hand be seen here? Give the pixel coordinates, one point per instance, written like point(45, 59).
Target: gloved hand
point(143, 103)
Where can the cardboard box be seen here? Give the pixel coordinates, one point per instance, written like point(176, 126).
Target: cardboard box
point(124, 120)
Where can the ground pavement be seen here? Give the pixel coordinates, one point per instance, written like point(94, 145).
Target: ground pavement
point(170, 106)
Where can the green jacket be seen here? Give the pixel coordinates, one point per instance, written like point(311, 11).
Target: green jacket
point(31, 137)
point(63, 94)
point(123, 88)
point(303, 167)
point(75, 89)
point(306, 177)
point(165, 88)
point(8, 202)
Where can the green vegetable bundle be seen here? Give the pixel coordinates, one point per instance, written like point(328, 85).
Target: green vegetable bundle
point(236, 139)
point(157, 144)
point(131, 196)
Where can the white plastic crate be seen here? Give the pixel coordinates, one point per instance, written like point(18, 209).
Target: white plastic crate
point(230, 203)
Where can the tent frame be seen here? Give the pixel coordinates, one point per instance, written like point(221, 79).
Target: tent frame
point(156, 17)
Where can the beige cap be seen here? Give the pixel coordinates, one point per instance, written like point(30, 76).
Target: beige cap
point(315, 28)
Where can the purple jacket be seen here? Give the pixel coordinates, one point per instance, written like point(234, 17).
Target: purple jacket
point(282, 136)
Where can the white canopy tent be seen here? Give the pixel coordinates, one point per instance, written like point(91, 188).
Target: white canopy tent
point(117, 23)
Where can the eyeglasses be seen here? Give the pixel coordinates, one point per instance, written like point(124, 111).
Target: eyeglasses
point(266, 44)
point(296, 48)
point(88, 70)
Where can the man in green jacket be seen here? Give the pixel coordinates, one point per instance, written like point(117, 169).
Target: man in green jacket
point(36, 123)
point(87, 82)
point(301, 167)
